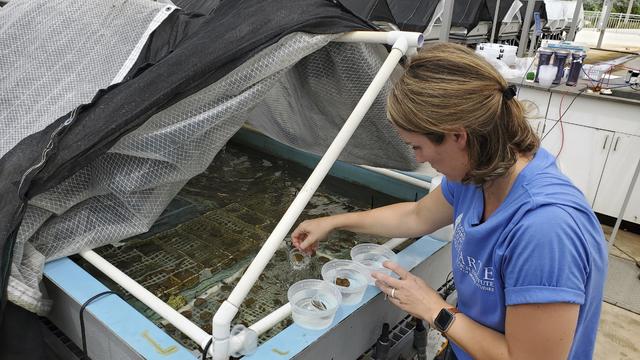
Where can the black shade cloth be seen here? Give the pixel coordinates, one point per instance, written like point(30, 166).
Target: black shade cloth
point(407, 15)
point(370, 10)
point(194, 48)
point(505, 5)
point(413, 15)
point(468, 13)
point(538, 7)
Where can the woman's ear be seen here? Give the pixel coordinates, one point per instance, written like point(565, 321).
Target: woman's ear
point(460, 138)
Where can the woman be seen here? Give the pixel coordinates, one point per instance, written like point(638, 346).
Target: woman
point(529, 256)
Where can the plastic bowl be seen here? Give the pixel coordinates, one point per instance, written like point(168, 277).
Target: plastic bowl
point(350, 277)
point(546, 75)
point(314, 303)
point(298, 259)
point(372, 256)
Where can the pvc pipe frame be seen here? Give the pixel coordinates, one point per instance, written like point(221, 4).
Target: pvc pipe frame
point(222, 346)
point(181, 323)
point(229, 308)
point(398, 176)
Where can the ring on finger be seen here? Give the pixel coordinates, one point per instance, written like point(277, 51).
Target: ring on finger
point(393, 293)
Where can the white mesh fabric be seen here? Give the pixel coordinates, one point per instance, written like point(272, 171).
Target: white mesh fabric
point(309, 105)
point(124, 191)
point(55, 55)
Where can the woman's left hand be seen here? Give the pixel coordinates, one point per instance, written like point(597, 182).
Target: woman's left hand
point(411, 293)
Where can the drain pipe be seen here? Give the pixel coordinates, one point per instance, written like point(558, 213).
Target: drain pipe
point(229, 308)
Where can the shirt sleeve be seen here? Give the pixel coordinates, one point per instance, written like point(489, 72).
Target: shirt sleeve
point(546, 259)
point(447, 190)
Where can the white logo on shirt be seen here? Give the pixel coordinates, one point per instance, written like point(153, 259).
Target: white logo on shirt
point(482, 276)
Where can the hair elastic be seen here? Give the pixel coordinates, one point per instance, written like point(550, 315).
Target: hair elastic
point(509, 92)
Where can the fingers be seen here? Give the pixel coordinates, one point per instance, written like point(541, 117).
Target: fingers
point(397, 269)
point(309, 242)
point(298, 235)
point(393, 282)
point(385, 288)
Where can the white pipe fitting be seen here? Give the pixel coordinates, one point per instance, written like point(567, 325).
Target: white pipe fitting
point(243, 341)
point(413, 39)
point(221, 325)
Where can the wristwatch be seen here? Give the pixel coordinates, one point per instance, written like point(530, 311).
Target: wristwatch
point(445, 319)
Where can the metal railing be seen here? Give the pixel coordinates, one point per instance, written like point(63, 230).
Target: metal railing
point(617, 21)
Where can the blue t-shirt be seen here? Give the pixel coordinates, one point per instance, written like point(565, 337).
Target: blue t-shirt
point(542, 245)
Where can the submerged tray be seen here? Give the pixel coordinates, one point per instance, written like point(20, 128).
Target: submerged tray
point(197, 250)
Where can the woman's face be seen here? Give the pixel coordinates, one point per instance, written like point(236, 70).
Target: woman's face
point(449, 158)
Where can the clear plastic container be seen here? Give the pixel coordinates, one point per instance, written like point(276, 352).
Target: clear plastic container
point(372, 256)
point(350, 277)
point(298, 259)
point(314, 303)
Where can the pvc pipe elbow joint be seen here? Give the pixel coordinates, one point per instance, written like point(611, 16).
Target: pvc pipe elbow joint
point(411, 39)
point(222, 330)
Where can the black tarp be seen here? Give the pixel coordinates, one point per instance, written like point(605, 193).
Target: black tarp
point(411, 15)
point(505, 5)
point(407, 15)
point(538, 7)
point(468, 13)
point(195, 47)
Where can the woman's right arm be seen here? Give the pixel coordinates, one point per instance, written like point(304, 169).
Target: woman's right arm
point(408, 219)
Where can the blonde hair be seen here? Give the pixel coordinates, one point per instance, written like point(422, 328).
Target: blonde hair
point(446, 87)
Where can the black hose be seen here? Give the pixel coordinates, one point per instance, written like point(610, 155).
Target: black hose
point(383, 345)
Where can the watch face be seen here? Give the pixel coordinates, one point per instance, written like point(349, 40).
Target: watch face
point(443, 320)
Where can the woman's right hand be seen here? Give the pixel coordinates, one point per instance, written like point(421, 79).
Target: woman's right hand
point(307, 235)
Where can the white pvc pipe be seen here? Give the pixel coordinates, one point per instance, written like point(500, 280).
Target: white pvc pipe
point(263, 325)
point(399, 176)
point(299, 203)
point(229, 308)
point(167, 312)
point(414, 39)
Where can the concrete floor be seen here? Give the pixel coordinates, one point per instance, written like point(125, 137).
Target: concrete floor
point(616, 40)
point(619, 332)
point(618, 335)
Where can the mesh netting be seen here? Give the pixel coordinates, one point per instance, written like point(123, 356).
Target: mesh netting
point(124, 191)
point(55, 55)
point(309, 104)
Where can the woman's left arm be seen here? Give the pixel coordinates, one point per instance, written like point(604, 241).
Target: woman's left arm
point(532, 331)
